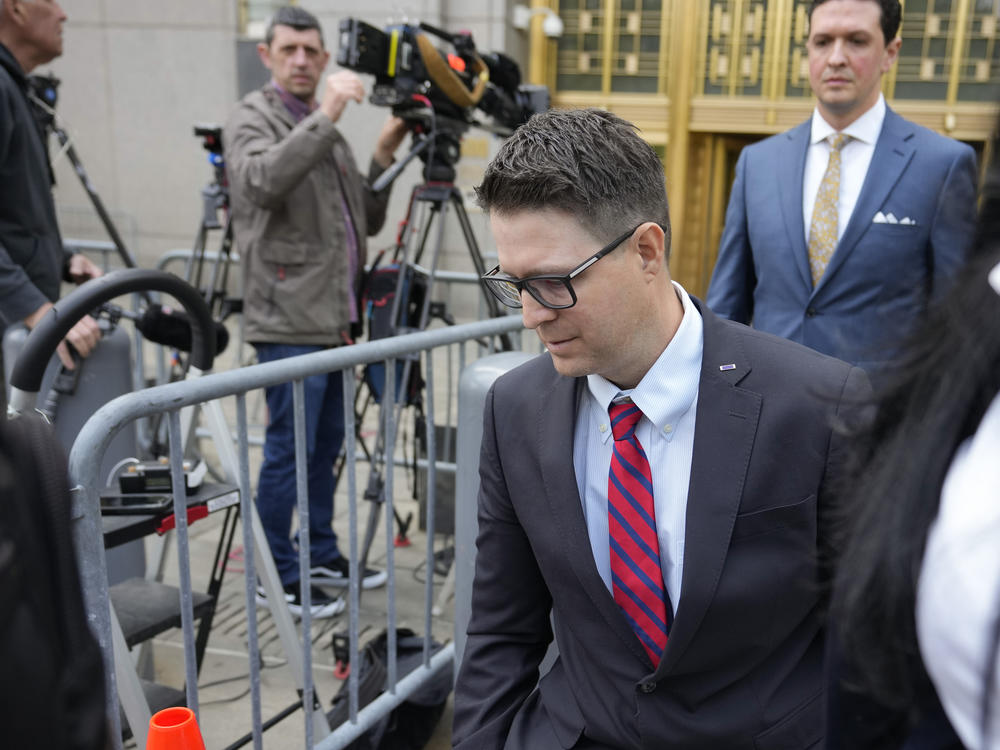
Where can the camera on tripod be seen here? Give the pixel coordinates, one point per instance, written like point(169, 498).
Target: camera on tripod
point(218, 194)
point(439, 94)
point(211, 137)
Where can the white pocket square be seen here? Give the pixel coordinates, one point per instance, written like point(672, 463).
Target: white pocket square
point(890, 218)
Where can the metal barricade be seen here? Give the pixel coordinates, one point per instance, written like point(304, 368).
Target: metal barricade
point(169, 399)
point(105, 248)
point(185, 257)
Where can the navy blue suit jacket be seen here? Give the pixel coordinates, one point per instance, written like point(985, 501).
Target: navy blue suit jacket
point(881, 275)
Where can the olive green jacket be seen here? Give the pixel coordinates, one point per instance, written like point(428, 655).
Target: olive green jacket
point(286, 185)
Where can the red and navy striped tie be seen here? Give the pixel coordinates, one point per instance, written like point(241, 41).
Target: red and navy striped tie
point(637, 582)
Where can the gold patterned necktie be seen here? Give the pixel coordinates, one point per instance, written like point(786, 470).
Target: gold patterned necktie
point(823, 228)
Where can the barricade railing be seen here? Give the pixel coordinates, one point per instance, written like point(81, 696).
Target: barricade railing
point(103, 247)
point(185, 257)
point(169, 399)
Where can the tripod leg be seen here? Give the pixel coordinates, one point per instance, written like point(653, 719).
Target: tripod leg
point(95, 199)
point(379, 483)
point(400, 303)
point(477, 261)
point(433, 202)
point(215, 295)
point(193, 271)
point(359, 415)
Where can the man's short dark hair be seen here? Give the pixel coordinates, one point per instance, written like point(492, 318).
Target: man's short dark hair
point(891, 16)
point(298, 18)
point(588, 163)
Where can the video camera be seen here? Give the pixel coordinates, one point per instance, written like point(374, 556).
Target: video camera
point(216, 196)
point(211, 137)
point(437, 92)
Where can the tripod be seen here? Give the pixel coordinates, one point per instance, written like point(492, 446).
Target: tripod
point(417, 254)
point(215, 198)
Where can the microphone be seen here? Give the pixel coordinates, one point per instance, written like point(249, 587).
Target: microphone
point(164, 325)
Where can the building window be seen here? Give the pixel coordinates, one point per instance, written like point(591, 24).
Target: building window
point(735, 39)
point(611, 46)
point(979, 75)
point(254, 16)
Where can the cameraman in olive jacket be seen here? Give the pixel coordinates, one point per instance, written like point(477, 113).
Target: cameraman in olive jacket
point(301, 212)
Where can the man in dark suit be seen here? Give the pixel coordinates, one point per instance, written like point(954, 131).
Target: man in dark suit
point(840, 231)
point(658, 483)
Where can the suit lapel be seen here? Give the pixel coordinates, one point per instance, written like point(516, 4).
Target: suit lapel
point(893, 152)
point(556, 423)
point(725, 427)
point(790, 198)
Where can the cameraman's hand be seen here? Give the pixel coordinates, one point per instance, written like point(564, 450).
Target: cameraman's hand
point(341, 87)
point(82, 268)
point(393, 133)
point(84, 335)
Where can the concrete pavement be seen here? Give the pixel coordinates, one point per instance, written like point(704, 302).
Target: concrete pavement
point(225, 712)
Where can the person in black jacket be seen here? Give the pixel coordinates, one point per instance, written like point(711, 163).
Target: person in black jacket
point(33, 261)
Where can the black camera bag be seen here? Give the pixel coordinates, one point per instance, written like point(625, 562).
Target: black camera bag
point(379, 296)
point(411, 724)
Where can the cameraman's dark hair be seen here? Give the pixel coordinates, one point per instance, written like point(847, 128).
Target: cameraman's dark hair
point(298, 18)
point(588, 163)
point(891, 16)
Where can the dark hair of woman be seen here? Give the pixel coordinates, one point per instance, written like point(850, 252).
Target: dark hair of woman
point(934, 400)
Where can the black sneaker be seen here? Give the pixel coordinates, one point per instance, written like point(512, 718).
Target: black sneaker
point(337, 573)
point(321, 605)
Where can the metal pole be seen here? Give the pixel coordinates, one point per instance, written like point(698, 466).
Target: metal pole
point(250, 573)
point(302, 496)
point(354, 592)
point(178, 488)
point(390, 469)
point(431, 431)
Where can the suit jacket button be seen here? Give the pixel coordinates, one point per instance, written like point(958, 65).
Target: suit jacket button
point(811, 312)
point(648, 687)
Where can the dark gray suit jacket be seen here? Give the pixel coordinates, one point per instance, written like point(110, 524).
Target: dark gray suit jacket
point(742, 668)
point(881, 276)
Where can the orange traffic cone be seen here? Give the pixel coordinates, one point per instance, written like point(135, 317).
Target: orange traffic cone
point(174, 729)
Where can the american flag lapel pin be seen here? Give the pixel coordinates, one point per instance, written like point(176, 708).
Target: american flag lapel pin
point(730, 366)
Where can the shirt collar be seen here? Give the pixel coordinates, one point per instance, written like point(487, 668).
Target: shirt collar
point(865, 129)
point(668, 389)
point(297, 108)
point(9, 63)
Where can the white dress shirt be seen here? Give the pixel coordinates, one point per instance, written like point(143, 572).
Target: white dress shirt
point(855, 158)
point(958, 594)
point(667, 395)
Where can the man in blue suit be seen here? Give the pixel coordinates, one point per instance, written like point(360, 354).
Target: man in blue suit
point(840, 231)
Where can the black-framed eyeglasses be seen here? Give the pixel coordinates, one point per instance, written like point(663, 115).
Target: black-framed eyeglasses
point(549, 290)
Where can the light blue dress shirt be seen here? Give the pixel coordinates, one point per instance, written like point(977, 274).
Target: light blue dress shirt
point(667, 395)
